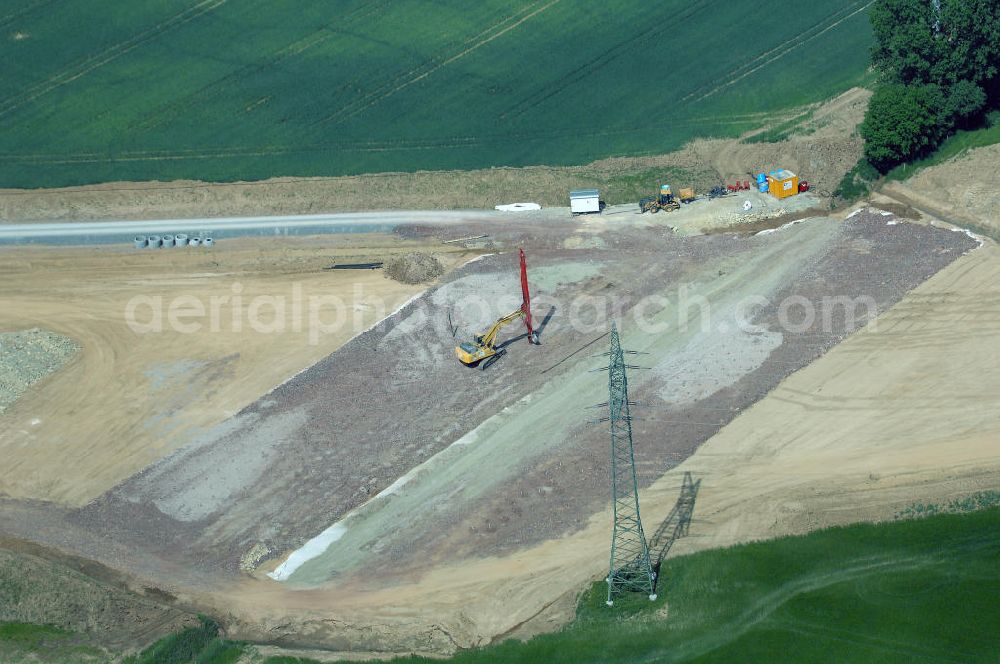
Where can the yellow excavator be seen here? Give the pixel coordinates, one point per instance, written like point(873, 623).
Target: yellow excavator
point(483, 350)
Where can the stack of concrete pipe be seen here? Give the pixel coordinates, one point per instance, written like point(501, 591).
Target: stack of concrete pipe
point(179, 240)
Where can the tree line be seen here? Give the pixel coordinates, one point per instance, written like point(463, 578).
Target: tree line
point(939, 70)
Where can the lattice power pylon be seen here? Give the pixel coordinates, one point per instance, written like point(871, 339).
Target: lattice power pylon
point(630, 569)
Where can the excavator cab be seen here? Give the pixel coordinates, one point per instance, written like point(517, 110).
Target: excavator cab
point(470, 354)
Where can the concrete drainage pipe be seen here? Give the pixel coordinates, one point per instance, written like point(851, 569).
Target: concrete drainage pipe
point(180, 240)
point(168, 240)
point(140, 242)
point(194, 242)
point(208, 242)
point(153, 242)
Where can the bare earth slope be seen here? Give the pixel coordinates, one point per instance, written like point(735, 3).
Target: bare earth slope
point(481, 500)
point(964, 187)
point(529, 475)
point(902, 412)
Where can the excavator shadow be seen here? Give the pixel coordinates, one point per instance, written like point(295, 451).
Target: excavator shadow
point(538, 331)
point(676, 525)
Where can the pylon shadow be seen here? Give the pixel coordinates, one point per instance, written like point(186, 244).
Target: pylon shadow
point(676, 525)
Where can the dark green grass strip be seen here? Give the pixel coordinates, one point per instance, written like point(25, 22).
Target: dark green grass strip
point(907, 591)
point(954, 146)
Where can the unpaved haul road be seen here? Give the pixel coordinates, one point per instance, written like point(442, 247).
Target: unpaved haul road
point(101, 232)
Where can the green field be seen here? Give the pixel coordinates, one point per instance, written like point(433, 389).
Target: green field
point(224, 90)
point(906, 591)
point(909, 591)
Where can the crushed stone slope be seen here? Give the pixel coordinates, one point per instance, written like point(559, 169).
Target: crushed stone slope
point(323, 444)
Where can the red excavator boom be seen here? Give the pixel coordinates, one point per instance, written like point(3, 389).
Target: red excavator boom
point(526, 300)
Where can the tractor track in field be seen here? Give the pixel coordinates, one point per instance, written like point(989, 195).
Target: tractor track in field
point(24, 11)
point(768, 605)
point(110, 54)
point(215, 88)
point(763, 608)
point(597, 63)
point(420, 71)
point(768, 52)
point(795, 43)
point(371, 146)
point(428, 68)
point(250, 90)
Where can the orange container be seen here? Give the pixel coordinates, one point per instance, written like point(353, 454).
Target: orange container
point(782, 184)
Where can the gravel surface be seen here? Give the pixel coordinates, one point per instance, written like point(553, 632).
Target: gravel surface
point(27, 357)
point(330, 440)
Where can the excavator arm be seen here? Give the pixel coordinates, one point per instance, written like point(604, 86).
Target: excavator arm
point(483, 350)
point(489, 337)
point(526, 301)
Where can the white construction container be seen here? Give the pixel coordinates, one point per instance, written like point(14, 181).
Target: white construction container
point(582, 201)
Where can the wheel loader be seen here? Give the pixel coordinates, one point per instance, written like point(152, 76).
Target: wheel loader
point(659, 202)
point(664, 200)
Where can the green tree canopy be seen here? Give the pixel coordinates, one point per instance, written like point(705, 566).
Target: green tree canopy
point(940, 62)
point(903, 122)
point(906, 46)
point(937, 41)
point(970, 41)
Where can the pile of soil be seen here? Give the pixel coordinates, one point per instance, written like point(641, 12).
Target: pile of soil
point(413, 268)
